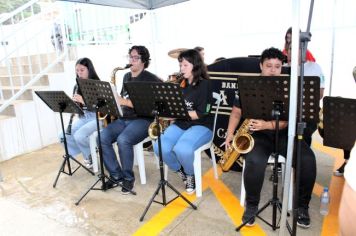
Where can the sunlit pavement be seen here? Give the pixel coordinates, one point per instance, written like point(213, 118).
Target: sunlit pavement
point(29, 205)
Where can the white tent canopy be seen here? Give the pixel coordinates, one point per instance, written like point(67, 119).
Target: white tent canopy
point(234, 28)
point(136, 4)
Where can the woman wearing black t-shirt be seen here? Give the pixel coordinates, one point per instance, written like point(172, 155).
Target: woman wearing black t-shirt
point(183, 137)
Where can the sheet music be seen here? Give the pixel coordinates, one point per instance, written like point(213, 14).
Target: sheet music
point(116, 95)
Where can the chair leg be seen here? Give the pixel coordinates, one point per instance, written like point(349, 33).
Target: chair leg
point(93, 151)
point(243, 193)
point(213, 159)
point(197, 173)
point(139, 156)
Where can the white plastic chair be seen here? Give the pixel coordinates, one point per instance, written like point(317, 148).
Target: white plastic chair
point(140, 159)
point(197, 154)
point(281, 160)
point(208, 145)
point(138, 156)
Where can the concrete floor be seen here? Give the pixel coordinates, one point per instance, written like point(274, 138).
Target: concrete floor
point(29, 205)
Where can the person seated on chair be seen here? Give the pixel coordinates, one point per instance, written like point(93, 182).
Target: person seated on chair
point(183, 137)
point(78, 132)
point(128, 130)
point(264, 134)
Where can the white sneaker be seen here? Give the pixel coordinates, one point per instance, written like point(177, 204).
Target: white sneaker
point(88, 163)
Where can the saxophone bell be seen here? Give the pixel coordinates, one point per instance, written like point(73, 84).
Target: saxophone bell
point(242, 143)
point(153, 128)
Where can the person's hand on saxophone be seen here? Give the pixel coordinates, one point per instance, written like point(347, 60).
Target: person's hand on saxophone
point(258, 125)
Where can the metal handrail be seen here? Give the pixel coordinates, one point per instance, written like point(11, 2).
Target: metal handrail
point(18, 10)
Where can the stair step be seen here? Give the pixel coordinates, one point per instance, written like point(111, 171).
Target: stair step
point(27, 69)
point(16, 80)
point(27, 95)
point(5, 117)
point(42, 59)
point(10, 110)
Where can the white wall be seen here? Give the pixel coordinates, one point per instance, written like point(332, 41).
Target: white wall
point(233, 28)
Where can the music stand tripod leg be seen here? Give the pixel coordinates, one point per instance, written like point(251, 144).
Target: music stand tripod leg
point(162, 183)
point(101, 176)
point(67, 158)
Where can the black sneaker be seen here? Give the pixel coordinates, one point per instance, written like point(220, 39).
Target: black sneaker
point(190, 184)
point(127, 186)
point(303, 219)
point(250, 211)
point(340, 171)
point(112, 183)
point(182, 175)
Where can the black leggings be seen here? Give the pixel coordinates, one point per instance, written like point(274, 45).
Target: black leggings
point(347, 154)
point(256, 162)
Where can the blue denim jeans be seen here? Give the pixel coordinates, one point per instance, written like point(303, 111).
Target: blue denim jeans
point(178, 146)
point(78, 141)
point(126, 133)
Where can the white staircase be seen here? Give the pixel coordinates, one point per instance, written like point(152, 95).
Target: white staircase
point(27, 124)
point(28, 62)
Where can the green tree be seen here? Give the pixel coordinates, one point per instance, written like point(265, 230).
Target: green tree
point(7, 6)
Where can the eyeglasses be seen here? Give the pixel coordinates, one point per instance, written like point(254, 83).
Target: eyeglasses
point(134, 58)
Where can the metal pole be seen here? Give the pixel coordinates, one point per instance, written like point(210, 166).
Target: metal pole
point(292, 114)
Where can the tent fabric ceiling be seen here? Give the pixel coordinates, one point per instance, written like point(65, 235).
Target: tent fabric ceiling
point(135, 4)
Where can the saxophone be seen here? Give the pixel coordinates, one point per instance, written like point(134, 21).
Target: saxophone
point(176, 78)
point(69, 127)
point(108, 119)
point(242, 143)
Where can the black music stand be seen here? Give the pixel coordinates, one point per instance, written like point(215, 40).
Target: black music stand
point(152, 99)
point(58, 101)
point(270, 99)
point(99, 97)
point(339, 118)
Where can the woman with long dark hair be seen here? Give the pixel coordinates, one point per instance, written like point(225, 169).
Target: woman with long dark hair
point(78, 132)
point(183, 137)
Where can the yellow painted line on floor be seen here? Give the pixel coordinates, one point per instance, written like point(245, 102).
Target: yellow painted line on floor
point(165, 217)
point(331, 221)
point(334, 152)
point(231, 205)
point(226, 198)
point(318, 189)
point(168, 213)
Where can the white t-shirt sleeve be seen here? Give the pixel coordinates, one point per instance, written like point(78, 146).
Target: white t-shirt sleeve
point(313, 69)
point(350, 170)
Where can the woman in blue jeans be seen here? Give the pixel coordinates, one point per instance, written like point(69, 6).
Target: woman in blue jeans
point(183, 137)
point(78, 134)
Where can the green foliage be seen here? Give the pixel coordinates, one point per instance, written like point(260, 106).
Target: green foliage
point(7, 6)
point(10, 5)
